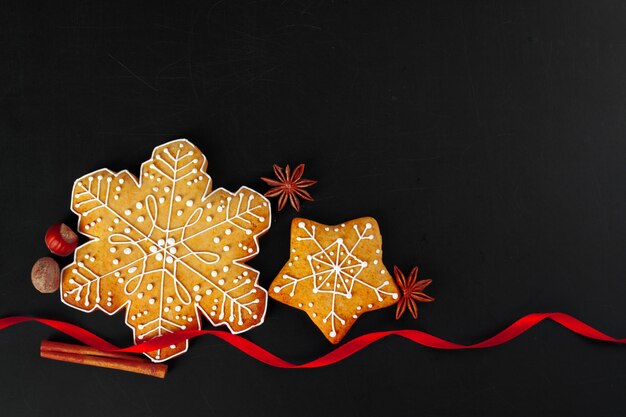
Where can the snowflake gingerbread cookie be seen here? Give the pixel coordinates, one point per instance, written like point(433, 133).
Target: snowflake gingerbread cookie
point(335, 274)
point(167, 248)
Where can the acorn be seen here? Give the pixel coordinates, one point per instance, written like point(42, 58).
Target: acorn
point(61, 240)
point(46, 275)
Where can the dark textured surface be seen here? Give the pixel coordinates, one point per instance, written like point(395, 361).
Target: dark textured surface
point(487, 138)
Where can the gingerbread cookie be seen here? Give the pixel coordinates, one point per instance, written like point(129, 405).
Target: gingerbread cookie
point(335, 274)
point(166, 248)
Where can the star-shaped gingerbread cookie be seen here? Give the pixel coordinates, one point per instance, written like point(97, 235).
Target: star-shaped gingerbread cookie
point(335, 274)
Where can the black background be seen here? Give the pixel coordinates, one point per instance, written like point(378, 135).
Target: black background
point(488, 138)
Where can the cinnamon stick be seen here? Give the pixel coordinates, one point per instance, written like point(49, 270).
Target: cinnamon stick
point(85, 355)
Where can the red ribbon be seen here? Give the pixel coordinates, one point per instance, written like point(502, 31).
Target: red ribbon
point(348, 349)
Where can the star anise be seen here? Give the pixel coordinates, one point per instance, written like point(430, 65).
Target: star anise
point(290, 186)
point(412, 292)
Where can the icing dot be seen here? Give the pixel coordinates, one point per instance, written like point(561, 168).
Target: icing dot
point(161, 200)
point(152, 249)
point(171, 241)
point(177, 308)
point(140, 295)
point(198, 297)
point(127, 230)
point(112, 249)
point(216, 239)
point(332, 333)
point(169, 299)
point(161, 242)
point(169, 259)
point(189, 203)
point(150, 286)
point(127, 212)
point(151, 301)
point(178, 198)
point(116, 261)
point(226, 248)
point(225, 269)
point(209, 218)
point(301, 225)
point(220, 282)
point(159, 256)
point(213, 274)
point(120, 280)
point(172, 250)
point(166, 189)
point(139, 205)
point(140, 219)
point(179, 213)
point(127, 251)
point(228, 231)
point(196, 287)
point(208, 292)
point(116, 220)
point(132, 269)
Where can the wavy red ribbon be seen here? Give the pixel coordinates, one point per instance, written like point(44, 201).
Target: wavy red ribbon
point(348, 349)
